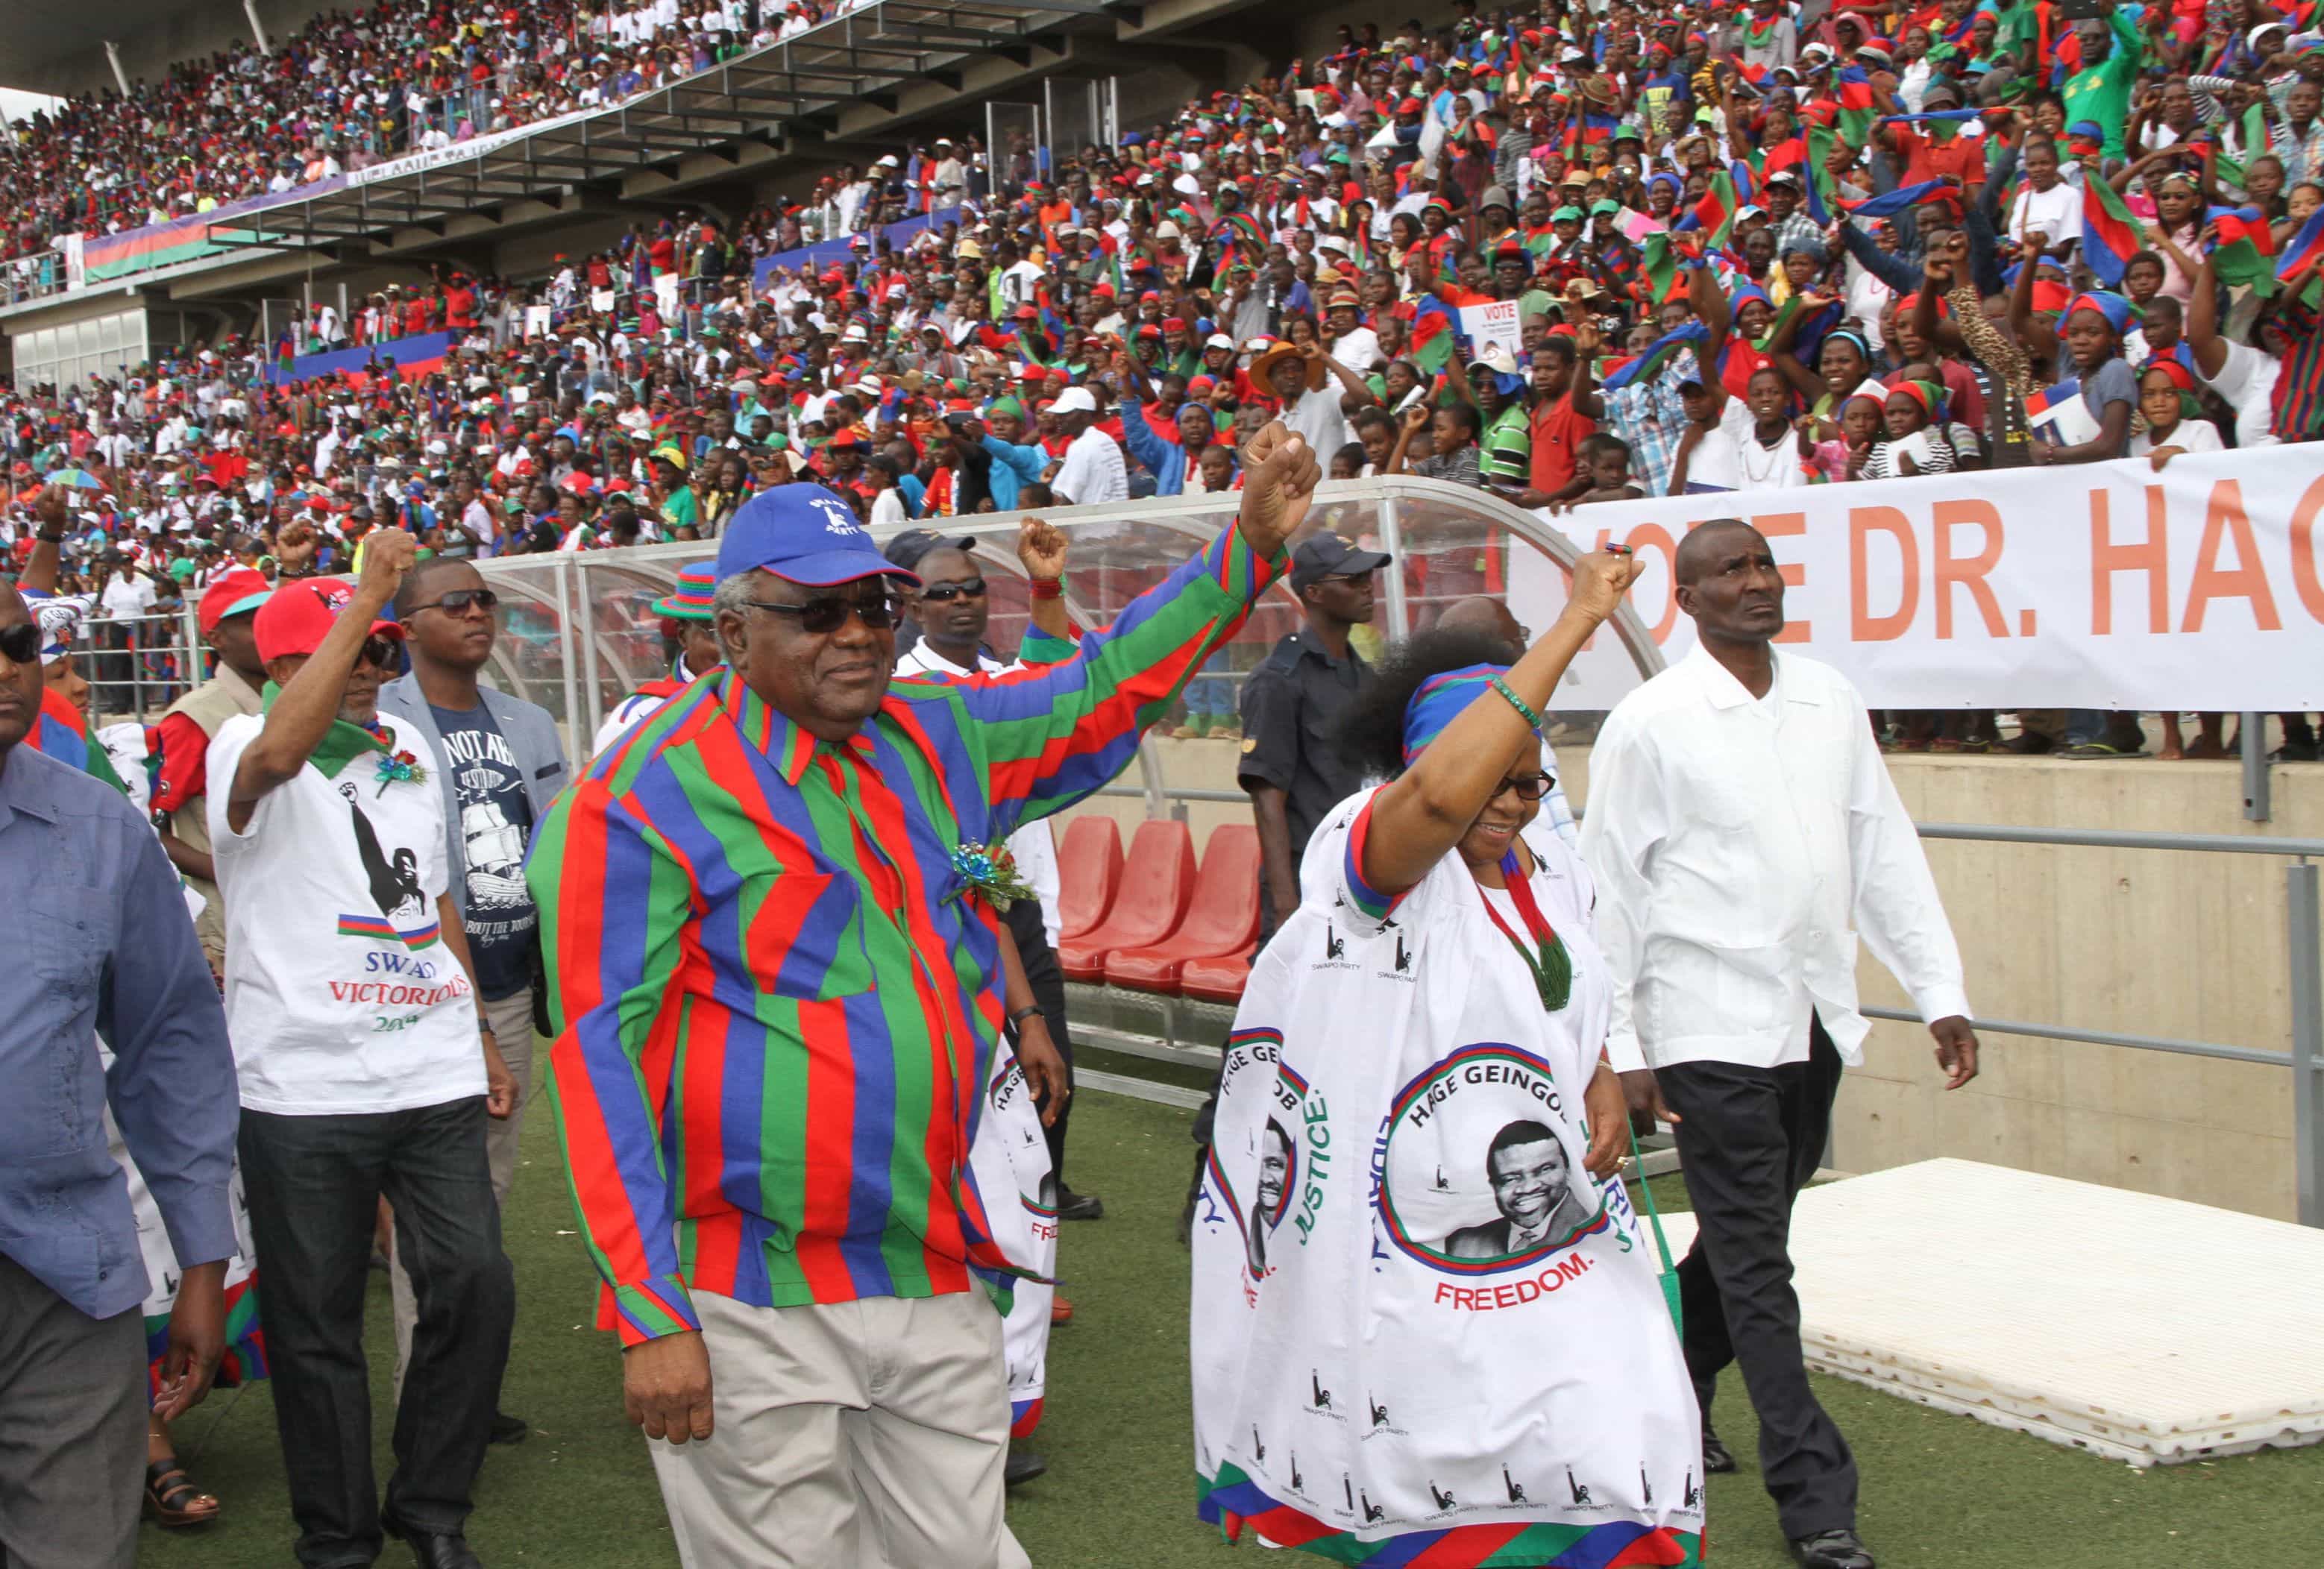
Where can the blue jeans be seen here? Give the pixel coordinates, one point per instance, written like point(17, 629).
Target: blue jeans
point(1207, 696)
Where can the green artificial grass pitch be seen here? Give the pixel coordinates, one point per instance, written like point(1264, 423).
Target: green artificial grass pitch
point(1939, 1492)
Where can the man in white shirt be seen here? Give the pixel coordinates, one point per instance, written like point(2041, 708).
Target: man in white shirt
point(953, 611)
point(366, 1068)
point(1092, 472)
point(1742, 829)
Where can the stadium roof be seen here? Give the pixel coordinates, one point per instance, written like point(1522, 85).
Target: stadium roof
point(65, 52)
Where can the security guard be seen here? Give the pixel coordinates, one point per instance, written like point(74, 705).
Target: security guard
point(1291, 765)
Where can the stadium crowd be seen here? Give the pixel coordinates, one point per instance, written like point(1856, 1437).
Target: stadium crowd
point(1748, 249)
point(350, 90)
point(1768, 247)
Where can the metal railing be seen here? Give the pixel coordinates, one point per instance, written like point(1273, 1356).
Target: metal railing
point(2303, 935)
point(137, 665)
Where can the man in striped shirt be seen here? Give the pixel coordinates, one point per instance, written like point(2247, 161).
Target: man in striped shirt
point(777, 993)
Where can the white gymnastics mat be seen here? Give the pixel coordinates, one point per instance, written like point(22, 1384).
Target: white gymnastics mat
point(2144, 1329)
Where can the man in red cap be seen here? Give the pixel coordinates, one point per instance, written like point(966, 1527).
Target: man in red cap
point(367, 1070)
point(229, 608)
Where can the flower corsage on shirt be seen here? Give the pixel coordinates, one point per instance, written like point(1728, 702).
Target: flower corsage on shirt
point(990, 871)
point(399, 768)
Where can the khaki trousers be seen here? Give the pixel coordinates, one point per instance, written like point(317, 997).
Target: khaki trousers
point(512, 1019)
point(860, 1435)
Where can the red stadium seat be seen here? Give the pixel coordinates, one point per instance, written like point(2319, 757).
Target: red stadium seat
point(1223, 920)
point(1089, 871)
point(1157, 880)
point(1217, 980)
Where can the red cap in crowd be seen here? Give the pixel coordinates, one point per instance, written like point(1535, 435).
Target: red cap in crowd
point(240, 590)
point(297, 617)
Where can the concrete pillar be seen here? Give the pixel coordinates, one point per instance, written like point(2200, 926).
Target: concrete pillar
point(113, 58)
point(257, 28)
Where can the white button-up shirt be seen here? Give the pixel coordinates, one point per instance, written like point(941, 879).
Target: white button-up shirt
point(1740, 844)
point(1035, 850)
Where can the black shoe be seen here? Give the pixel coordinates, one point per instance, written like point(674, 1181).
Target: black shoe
point(1716, 1458)
point(1022, 1466)
point(1831, 1550)
point(2294, 751)
point(1078, 1206)
point(435, 1549)
point(507, 1429)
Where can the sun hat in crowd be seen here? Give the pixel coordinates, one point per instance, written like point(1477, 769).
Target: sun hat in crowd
point(698, 581)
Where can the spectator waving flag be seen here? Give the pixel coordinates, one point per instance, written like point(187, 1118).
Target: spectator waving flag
point(2246, 250)
point(1432, 335)
point(1854, 105)
point(1899, 199)
point(1658, 353)
point(1823, 195)
point(2109, 234)
point(1714, 215)
point(2307, 247)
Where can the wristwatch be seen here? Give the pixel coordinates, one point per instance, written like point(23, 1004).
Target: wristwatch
point(1031, 1011)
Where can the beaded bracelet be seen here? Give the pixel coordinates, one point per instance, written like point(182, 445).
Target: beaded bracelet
point(1515, 701)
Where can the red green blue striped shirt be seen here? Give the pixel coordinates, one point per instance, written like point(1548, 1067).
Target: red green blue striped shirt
point(774, 1012)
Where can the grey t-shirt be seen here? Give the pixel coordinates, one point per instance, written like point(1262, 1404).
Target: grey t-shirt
point(2112, 382)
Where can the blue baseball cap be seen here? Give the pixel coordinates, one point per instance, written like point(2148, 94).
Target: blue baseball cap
point(805, 534)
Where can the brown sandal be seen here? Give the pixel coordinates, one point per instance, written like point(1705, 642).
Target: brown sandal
point(172, 1499)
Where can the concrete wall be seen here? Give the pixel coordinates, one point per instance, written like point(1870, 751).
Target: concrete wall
point(2143, 942)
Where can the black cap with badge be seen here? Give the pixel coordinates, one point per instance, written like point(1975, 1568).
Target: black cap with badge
point(1330, 556)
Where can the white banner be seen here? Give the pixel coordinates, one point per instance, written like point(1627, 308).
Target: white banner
point(463, 151)
point(2100, 586)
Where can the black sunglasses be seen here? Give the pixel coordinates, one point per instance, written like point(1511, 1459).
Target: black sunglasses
point(940, 593)
point(380, 653)
point(1530, 787)
point(21, 643)
point(829, 612)
point(458, 602)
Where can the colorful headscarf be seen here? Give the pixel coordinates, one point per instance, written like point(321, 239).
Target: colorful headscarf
point(1928, 394)
point(1440, 700)
point(2180, 377)
point(2113, 307)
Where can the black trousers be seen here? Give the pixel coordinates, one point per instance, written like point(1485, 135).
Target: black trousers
point(1748, 1141)
point(314, 1186)
point(1049, 983)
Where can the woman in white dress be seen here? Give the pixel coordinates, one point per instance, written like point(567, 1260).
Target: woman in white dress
point(1426, 1321)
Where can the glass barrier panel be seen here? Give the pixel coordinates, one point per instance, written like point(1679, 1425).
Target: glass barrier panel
point(1450, 544)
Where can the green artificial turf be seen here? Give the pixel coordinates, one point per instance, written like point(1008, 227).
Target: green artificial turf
point(1940, 1491)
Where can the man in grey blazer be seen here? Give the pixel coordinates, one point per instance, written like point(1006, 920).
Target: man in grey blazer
point(502, 764)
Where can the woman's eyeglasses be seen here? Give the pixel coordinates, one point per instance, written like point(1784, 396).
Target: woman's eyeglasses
point(829, 613)
point(1530, 787)
point(944, 592)
point(22, 643)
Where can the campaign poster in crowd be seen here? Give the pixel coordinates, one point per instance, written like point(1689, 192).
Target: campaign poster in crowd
point(2097, 585)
